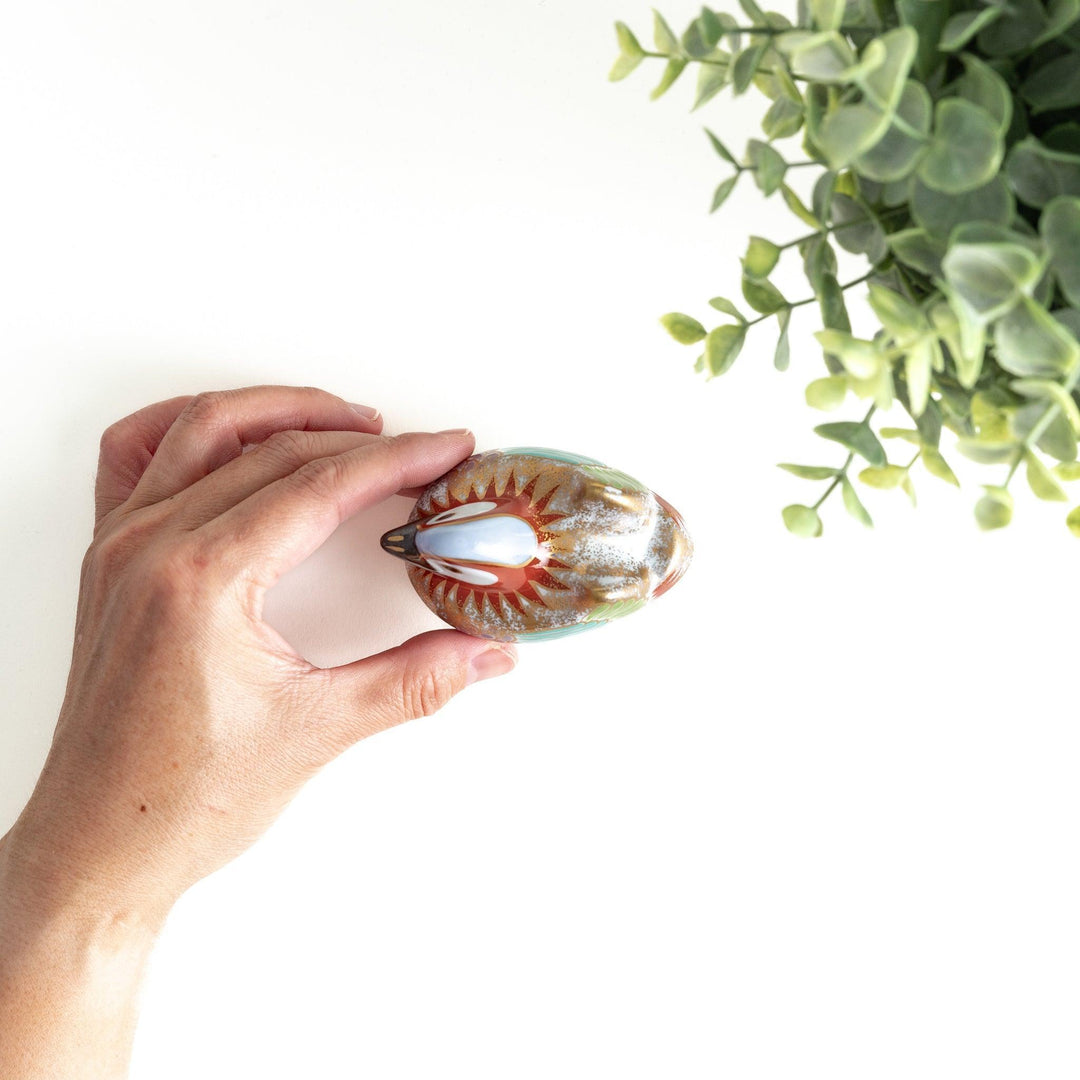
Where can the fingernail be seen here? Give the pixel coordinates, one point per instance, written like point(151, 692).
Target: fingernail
point(455, 431)
point(368, 412)
point(487, 665)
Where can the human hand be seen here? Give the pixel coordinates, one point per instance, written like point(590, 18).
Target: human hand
point(188, 723)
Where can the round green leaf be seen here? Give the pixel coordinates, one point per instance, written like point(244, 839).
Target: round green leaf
point(939, 212)
point(966, 149)
point(828, 393)
point(1073, 521)
point(991, 278)
point(1060, 228)
point(884, 477)
point(897, 152)
point(802, 520)
point(684, 329)
point(768, 165)
point(762, 296)
point(994, 509)
point(983, 86)
point(1028, 341)
point(1054, 85)
point(1038, 174)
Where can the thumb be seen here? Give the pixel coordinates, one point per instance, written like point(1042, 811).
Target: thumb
point(417, 678)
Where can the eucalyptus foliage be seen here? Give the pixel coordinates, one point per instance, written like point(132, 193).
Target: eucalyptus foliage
point(945, 135)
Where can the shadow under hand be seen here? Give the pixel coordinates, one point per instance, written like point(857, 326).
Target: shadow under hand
point(349, 598)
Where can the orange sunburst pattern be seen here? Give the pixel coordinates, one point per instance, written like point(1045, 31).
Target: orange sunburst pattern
point(525, 491)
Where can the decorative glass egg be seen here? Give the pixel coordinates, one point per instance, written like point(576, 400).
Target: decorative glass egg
point(527, 544)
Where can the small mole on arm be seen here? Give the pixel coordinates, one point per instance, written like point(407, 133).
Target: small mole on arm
point(142, 809)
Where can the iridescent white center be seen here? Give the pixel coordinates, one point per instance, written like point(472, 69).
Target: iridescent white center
point(502, 540)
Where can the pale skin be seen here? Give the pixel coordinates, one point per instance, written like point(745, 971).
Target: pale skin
point(188, 723)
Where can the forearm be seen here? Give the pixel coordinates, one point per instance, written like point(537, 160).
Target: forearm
point(70, 974)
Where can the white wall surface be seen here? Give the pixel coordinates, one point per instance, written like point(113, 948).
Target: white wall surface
point(813, 813)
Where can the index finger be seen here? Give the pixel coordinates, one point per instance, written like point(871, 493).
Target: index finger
point(278, 526)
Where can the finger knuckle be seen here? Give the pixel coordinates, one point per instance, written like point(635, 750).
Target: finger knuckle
point(426, 691)
point(207, 407)
point(290, 447)
point(323, 477)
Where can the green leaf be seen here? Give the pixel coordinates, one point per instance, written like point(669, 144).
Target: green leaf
point(727, 307)
point(918, 363)
point(712, 78)
point(666, 41)
point(862, 359)
point(672, 70)
point(908, 487)
point(762, 296)
point(1038, 174)
point(885, 82)
point(802, 520)
point(1048, 390)
point(961, 329)
point(824, 188)
point(1062, 14)
point(939, 213)
point(723, 190)
point(852, 504)
point(962, 27)
point(1055, 85)
point(630, 53)
point(1060, 229)
point(754, 13)
point(983, 86)
point(937, 466)
point(991, 278)
point(897, 152)
point(847, 132)
point(907, 434)
point(918, 249)
point(1022, 24)
point(768, 165)
point(823, 57)
point(986, 452)
point(901, 319)
point(782, 355)
point(884, 477)
point(1067, 470)
point(831, 299)
point(1028, 341)
point(722, 150)
point(811, 472)
point(994, 509)
point(966, 149)
point(856, 437)
point(745, 65)
point(819, 260)
point(784, 118)
point(1073, 521)
point(1042, 481)
point(722, 346)
point(795, 205)
point(827, 14)
point(684, 329)
point(699, 40)
point(858, 229)
point(761, 257)
point(828, 393)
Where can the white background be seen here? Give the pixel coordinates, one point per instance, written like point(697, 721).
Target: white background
point(811, 814)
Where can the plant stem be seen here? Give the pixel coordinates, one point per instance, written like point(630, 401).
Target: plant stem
point(837, 228)
point(844, 468)
point(1044, 422)
point(810, 299)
